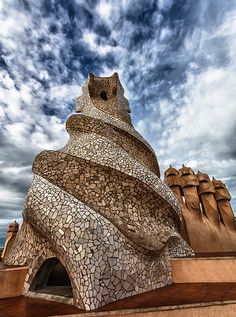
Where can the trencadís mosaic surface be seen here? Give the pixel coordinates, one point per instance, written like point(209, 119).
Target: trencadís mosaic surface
point(99, 206)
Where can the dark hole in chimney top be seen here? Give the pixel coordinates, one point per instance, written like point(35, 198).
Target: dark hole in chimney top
point(103, 95)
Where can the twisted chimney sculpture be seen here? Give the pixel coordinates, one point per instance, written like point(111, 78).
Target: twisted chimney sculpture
point(99, 206)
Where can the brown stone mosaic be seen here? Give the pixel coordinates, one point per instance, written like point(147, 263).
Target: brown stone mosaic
point(107, 94)
point(137, 210)
point(98, 206)
point(137, 149)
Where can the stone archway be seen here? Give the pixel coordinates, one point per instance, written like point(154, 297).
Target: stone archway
point(52, 279)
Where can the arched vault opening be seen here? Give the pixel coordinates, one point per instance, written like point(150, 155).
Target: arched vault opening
point(52, 279)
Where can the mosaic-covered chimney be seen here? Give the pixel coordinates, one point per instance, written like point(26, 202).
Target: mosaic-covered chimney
point(97, 208)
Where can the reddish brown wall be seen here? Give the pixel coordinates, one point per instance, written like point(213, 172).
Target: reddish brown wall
point(11, 281)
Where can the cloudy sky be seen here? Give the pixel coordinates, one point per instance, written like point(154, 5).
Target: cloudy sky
point(176, 60)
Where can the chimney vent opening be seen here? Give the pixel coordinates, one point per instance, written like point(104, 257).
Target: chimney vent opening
point(103, 95)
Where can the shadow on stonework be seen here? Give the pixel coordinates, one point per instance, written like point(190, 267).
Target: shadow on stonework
point(52, 279)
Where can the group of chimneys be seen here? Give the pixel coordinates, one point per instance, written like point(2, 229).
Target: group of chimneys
point(185, 177)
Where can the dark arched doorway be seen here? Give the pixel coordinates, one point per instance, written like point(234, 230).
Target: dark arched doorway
point(52, 279)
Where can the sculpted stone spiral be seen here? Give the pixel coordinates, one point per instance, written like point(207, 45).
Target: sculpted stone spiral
point(99, 206)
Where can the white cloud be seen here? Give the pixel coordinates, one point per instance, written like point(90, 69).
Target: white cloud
point(4, 194)
point(13, 24)
point(165, 4)
point(5, 80)
point(104, 9)
point(65, 92)
point(204, 123)
point(25, 129)
point(200, 133)
point(43, 74)
point(90, 38)
point(165, 34)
